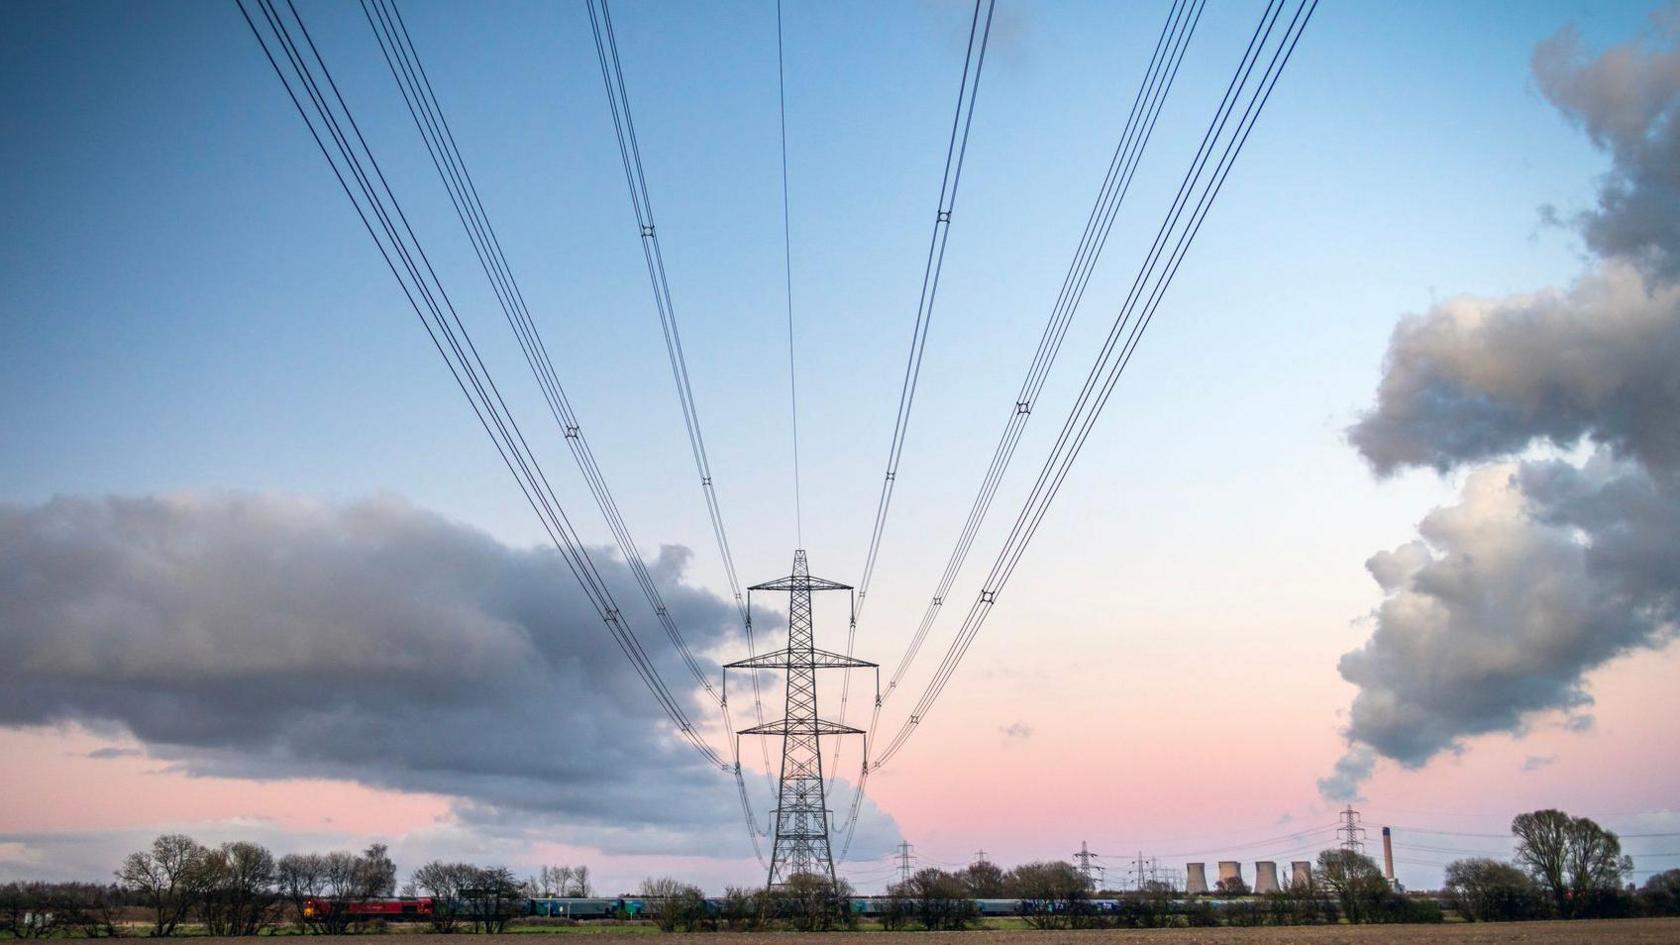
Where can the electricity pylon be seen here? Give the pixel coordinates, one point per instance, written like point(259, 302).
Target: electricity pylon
point(801, 813)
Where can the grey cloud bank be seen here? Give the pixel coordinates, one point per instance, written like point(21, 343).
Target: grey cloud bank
point(264, 637)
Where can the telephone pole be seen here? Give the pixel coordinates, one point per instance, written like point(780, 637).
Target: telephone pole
point(801, 814)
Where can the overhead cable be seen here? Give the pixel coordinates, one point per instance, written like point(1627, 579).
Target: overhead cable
point(331, 124)
point(397, 46)
point(1151, 95)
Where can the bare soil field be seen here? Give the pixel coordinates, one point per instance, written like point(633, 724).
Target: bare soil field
point(1610, 932)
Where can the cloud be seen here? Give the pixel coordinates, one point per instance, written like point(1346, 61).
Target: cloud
point(111, 752)
point(1501, 607)
point(1352, 770)
point(1627, 99)
point(1016, 731)
point(1475, 379)
point(1545, 569)
point(1536, 762)
point(254, 636)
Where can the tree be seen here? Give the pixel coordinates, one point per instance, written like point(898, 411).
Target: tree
point(491, 899)
point(1573, 859)
point(1231, 886)
point(942, 900)
point(1355, 881)
point(1051, 894)
point(1661, 894)
point(745, 910)
point(675, 905)
point(984, 879)
point(1484, 890)
point(298, 878)
point(376, 875)
point(445, 883)
point(169, 878)
point(239, 891)
point(810, 903)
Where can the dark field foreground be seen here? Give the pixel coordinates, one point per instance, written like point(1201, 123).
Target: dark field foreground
point(1612, 932)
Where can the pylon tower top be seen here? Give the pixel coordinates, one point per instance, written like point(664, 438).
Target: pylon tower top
point(801, 814)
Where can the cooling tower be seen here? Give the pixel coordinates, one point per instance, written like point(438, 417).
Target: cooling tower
point(1265, 877)
point(1300, 874)
point(1230, 870)
point(1388, 856)
point(1195, 879)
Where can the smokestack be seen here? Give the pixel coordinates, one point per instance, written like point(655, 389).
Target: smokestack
point(1265, 877)
point(1388, 856)
point(1300, 874)
point(1195, 878)
point(1229, 870)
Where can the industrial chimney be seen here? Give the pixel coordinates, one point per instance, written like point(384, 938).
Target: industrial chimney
point(1300, 874)
point(1265, 877)
point(1195, 878)
point(1229, 870)
point(1388, 856)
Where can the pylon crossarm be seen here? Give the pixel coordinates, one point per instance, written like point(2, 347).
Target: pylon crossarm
point(801, 727)
point(818, 659)
point(799, 582)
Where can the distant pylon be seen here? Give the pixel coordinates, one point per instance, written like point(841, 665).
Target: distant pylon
point(904, 849)
point(1351, 834)
point(1084, 856)
point(801, 814)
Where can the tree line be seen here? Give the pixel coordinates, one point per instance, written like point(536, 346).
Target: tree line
point(1565, 868)
point(241, 888)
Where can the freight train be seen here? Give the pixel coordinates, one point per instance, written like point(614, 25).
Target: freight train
point(422, 909)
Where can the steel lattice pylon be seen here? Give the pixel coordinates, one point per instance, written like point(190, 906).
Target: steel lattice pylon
point(801, 812)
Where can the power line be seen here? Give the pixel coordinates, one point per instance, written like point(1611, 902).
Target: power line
point(402, 58)
point(787, 258)
point(956, 149)
point(624, 128)
point(382, 215)
point(1154, 277)
point(1170, 46)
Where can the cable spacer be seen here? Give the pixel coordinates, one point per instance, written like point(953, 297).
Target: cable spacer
point(571, 431)
point(944, 216)
point(938, 601)
point(988, 597)
point(647, 231)
point(1023, 406)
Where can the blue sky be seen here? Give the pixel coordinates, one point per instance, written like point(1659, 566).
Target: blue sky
point(189, 303)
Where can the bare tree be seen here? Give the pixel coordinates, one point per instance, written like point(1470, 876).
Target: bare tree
point(300, 878)
point(491, 898)
point(238, 889)
point(1051, 894)
point(446, 883)
point(675, 905)
point(984, 879)
point(376, 874)
point(169, 878)
point(1572, 858)
point(580, 882)
point(554, 880)
point(1355, 880)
